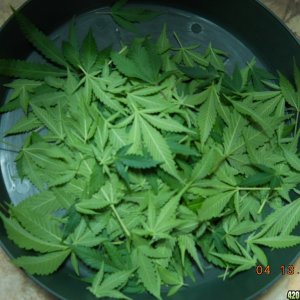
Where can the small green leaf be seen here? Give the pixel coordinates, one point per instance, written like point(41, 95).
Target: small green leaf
point(233, 259)
point(148, 275)
point(121, 170)
point(259, 253)
point(163, 43)
point(206, 164)
point(88, 53)
point(138, 161)
point(244, 227)
point(174, 289)
point(75, 264)
point(71, 54)
point(91, 257)
point(72, 222)
point(292, 159)
point(277, 242)
point(114, 281)
point(166, 124)
point(169, 277)
point(92, 204)
point(95, 182)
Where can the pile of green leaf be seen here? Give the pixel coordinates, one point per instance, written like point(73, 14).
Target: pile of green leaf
point(152, 157)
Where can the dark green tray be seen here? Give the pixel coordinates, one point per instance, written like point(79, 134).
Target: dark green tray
point(241, 28)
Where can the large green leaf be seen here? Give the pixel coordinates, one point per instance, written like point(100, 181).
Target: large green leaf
point(103, 96)
point(165, 219)
point(29, 70)
point(233, 133)
point(48, 119)
point(207, 114)
point(41, 226)
point(255, 116)
point(27, 123)
point(48, 98)
point(89, 52)
point(158, 147)
point(214, 205)
point(43, 264)
point(44, 203)
point(26, 240)
point(143, 64)
point(71, 54)
point(88, 237)
point(135, 137)
point(44, 44)
point(148, 275)
point(32, 171)
point(114, 281)
point(283, 220)
point(289, 93)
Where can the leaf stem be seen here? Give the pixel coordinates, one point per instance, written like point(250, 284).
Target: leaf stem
point(177, 39)
point(185, 188)
point(120, 52)
point(225, 274)
point(120, 220)
point(118, 243)
point(262, 206)
point(183, 139)
point(256, 189)
point(84, 72)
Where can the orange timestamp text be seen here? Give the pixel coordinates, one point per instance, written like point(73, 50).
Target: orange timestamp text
point(284, 270)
